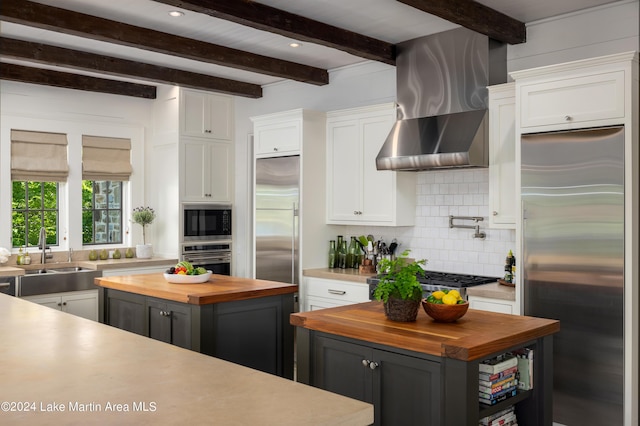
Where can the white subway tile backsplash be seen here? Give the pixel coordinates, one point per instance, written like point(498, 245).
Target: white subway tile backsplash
point(439, 194)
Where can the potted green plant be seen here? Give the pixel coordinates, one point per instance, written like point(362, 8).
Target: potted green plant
point(143, 216)
point(399, 288)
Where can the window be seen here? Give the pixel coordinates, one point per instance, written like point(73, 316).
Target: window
point(34, 205)
point(101, 212)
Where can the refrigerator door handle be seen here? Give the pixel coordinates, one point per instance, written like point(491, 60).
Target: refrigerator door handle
point(293, 242)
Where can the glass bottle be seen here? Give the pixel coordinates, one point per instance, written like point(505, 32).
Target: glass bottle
point(342, 254)
point(332, 254)
point(353, 254)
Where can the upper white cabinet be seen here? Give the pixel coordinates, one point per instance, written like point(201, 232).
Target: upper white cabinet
point(503, 204)
point(561, 98)
point(208, 115)
point(357, 193)
point(278, 134)
point(206, 172)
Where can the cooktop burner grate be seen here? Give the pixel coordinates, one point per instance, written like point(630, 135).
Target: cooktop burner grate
point(446, 279)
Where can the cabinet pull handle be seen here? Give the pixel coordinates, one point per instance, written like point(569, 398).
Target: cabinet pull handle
point(366, 362)
point(373, 365)
point(338, 292)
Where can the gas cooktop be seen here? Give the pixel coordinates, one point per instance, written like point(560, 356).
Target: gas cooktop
point(446, 279)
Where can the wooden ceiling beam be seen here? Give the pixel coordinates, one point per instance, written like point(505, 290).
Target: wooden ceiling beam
point(53, 55)
point(78, 24)
point(476, 17)
point(46, 77)
point(267, 18)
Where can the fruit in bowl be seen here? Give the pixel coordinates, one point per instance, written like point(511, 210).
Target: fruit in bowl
point(185, 268)
point(445, 305)
point(185, 273)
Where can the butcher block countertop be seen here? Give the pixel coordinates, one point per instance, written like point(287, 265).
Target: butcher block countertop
point(62, 369)
point(219, 288)
point(474, 336)
point(351, 275)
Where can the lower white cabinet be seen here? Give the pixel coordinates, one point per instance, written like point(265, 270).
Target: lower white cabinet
point(323, 293)
point(492, 305)
point(80, 303)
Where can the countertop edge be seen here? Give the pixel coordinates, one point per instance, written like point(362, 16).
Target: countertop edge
point(350, 275)
point(493, 291)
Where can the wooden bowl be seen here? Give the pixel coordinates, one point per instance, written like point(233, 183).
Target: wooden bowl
point(445, 313)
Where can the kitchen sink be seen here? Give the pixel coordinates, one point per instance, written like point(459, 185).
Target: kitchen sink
point(56, 280)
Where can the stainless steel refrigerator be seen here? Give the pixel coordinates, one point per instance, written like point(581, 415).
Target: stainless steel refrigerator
point(277, 198)
point(573, 265)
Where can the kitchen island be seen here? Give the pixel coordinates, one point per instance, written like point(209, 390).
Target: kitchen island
point(421, 372)
point(241, 320)
point(62, 369)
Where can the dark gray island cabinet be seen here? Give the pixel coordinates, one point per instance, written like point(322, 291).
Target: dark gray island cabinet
point(239, 320)
point(421, 373)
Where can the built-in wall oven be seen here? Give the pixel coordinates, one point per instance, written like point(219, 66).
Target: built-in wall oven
point(206, 222)
point(214, 256)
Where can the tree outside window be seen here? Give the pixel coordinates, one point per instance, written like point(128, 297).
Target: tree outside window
point(34, 205)
point(101, 212)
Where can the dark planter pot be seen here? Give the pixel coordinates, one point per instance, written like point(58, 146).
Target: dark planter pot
point(401, 310)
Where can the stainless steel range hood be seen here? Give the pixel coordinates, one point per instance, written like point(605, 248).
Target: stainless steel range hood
point(442, 84)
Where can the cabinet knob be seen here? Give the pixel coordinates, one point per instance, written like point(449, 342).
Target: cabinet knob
point(59, 304)
point(567, 118)
point(495, 213)
point(207, 131)
point(275, 149)
point(64, 303)
point(365, 362)
point(373, 365)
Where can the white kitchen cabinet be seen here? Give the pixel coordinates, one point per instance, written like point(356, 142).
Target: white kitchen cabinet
point(493, 305)
point(503, 204)
point(80, 303)
point(205, 170)
point(572, 100)
point(323, 293)
point(357, 193)
point(206, 115)
point(278, 134)
point(185, 164)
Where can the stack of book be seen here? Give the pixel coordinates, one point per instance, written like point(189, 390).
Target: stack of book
point(498, 379)
point(505, 417)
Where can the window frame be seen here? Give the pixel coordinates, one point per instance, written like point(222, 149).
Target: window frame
point(42, 210)
point(93, 211)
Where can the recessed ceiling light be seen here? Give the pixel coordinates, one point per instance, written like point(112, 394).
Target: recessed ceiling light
point(294, 44)
point(176, 13)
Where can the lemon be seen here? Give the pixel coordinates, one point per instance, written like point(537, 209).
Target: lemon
point(455, 293)
point(449, 299)
point(438, 294)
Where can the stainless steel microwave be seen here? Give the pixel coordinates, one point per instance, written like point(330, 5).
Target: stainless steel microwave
point(206, 222)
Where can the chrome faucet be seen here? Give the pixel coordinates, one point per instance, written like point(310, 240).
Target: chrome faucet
point(42, 244)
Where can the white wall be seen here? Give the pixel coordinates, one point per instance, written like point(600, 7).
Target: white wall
point(74, 112)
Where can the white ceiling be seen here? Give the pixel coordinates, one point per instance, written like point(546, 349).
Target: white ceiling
point(387, 20)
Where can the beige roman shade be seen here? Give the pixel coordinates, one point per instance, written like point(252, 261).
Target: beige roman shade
point(39, 156)
point(106, 158)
